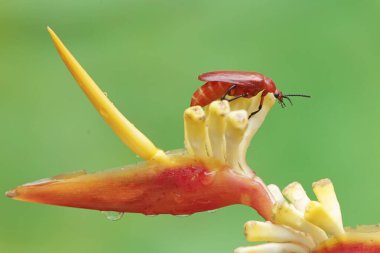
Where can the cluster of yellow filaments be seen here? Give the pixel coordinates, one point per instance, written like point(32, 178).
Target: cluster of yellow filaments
point(300, 225)
point(223, 131)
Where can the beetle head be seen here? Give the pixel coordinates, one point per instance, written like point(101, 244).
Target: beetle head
point(278, 95)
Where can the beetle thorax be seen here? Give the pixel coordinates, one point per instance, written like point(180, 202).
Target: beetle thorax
point(269, 85)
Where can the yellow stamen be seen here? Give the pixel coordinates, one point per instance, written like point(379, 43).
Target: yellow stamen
point(256, 231)
point(286, 215)
point(216, 126)
point(324, 190)
point(276, 193)
point(316, 214)
point(363, 233)
point(236, 124)
point(196, 137)
point(296, 195)
point(126, 131)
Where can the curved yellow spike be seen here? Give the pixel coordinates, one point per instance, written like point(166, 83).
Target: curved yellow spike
point(126, 131)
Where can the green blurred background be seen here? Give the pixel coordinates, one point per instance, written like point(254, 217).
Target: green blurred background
point(152, 51)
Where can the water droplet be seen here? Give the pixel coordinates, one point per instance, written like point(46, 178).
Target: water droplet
point(105, 94)
point(113, 216)
point(207, 178)
point(212, 211)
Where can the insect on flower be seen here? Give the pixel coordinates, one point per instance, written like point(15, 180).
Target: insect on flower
point(220, 84)
point(209, 174)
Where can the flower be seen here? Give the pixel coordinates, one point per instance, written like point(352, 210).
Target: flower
point(209, 173)
point(299, 225)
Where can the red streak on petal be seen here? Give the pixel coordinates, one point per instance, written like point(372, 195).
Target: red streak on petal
point(190, 186)
point(350, 247)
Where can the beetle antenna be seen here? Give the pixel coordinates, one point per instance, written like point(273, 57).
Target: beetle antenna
point(286, 96)
point(283, 105)
point(297, 95)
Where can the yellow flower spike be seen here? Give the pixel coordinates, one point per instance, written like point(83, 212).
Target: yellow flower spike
point(126, 131)
point(296, 195)
point(316, 214)
point(196, 136)
point(236, 124)
point(216, 125)
point(324, 190)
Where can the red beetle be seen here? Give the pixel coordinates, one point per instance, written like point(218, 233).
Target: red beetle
point(239, 84)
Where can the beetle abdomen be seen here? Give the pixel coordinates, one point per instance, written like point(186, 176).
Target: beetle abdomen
point(209, 92)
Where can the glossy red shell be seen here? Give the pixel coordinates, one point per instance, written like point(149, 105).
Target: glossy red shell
point(218, 82)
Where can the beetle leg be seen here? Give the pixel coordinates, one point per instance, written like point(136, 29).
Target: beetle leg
point(260, 106)
point(228, 91)
point(252, 114)
point(240, 96)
